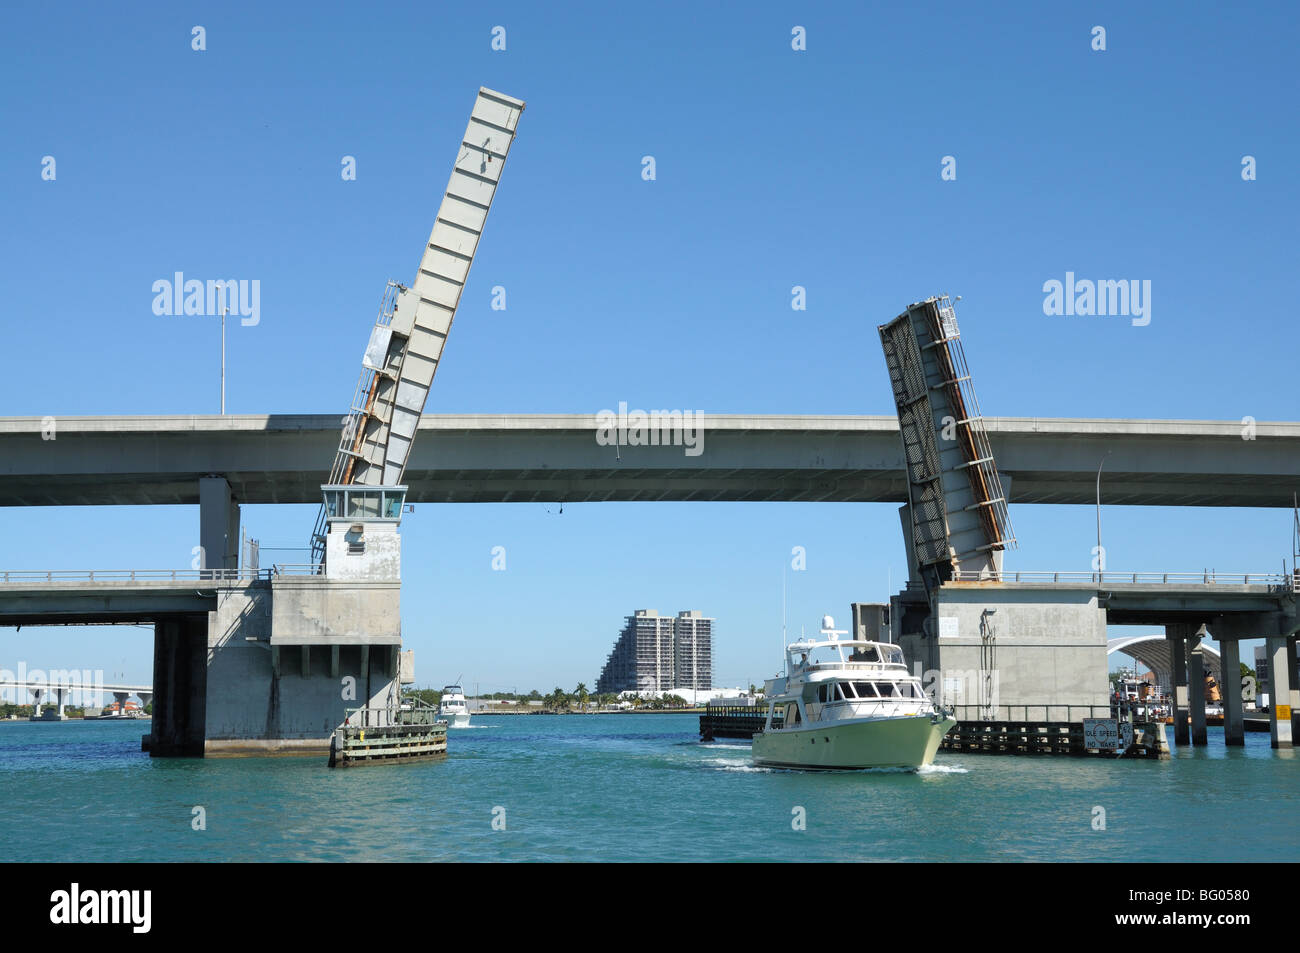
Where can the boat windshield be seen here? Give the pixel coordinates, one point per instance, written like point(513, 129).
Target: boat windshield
point(849, 691)
point(846, 653)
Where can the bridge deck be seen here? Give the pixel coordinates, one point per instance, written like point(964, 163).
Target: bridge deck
point(553, 458)
point(1160, 598)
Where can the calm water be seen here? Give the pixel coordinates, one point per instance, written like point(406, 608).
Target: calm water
point(629, 787)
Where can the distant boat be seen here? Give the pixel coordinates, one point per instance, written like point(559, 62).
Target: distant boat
point(453, 709)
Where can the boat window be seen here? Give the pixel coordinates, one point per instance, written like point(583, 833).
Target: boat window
point(907, 689)
point(865, 689)
point(866, 653)
point(894, 655)
point(792, 716)
point(821, 693)
point(843, 691)
point(887, 689)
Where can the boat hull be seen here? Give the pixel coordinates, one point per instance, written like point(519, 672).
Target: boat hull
point(908, 742)
point(458, 720)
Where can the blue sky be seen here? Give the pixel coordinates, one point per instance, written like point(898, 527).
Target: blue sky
point(774, 168)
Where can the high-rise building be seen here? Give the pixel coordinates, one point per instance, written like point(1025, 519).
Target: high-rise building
point(657, 653)
point(692, 650)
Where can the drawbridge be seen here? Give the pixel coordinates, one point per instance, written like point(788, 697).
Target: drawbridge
point(410, 332)
point(957, 508)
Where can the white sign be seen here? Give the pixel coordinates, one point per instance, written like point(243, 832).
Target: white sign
point(1107, 734)
point(947, 627)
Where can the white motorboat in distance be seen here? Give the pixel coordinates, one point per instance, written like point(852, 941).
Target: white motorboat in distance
point(452, 707)
point(845, 704)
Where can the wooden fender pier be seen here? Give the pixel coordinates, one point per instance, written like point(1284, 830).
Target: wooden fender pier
point(381, 736)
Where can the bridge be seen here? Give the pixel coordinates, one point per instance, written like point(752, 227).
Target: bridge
point(62, 688)
point(240, 664)
point(1156, 653)
point(485, 458)
point(121, 597)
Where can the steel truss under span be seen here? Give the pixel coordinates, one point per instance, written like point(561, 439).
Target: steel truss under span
point(959, 515)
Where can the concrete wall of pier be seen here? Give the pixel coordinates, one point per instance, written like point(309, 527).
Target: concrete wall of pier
point(1013, 654)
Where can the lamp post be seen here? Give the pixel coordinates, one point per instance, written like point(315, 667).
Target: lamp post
point(1101, 565)
point(224, 312)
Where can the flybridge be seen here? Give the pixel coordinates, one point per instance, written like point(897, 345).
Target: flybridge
point(406, 343)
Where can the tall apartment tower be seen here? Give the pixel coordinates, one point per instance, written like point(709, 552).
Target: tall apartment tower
point(692, 650)
point(657, 653)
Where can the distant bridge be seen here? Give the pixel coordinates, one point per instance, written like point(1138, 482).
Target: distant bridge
point(61, 689)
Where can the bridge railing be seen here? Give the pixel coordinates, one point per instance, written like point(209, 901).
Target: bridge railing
point(1108, 578)
point(156, 575)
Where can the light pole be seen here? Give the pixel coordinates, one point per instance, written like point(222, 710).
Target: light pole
point(1101, 565)
point(224, 312)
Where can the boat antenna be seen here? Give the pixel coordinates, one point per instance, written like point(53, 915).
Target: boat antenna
point(1295, 532)
point(784, 641)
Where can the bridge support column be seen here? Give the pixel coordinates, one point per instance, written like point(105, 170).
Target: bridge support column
point(1295, 688)
point(1234, 732)
point(1177, 635)
point(1196, 684)
point(121, 699)
point(218, 524)
point(62, 694)
point(1279, 691)
point(909, 545)
point(180, 678)
point(36, 701)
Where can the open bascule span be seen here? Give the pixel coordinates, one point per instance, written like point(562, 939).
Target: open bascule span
point(1031, 647)
point(251, 661)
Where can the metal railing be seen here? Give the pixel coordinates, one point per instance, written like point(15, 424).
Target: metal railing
point(157, 575)
point(1109, 578)
point(411, 712)
point(297, 569)
point(360, 410)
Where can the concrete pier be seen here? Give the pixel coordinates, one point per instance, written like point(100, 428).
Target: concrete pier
point(1294, 685)
point(1177, 634)
point(180, 680)
point(1196, 686)
point(1007, 652)
point(1280, 670)
point(1234, 733)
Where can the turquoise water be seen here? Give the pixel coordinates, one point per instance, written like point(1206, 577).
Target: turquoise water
point(629, 787)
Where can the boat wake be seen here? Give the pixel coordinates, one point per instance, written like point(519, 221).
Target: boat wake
point(736, 746)
point(942, 769)
point(744, 767)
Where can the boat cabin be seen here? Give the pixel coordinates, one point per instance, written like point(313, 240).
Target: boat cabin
point(840, 679)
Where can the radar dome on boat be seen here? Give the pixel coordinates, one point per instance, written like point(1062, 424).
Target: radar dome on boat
point(828, 622)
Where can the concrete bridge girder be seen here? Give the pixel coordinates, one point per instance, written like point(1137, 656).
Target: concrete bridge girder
point(552, 458)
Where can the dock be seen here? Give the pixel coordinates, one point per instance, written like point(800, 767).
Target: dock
point(1049, 737)
point(734, 721)
point(383, 736)
point(971, 737)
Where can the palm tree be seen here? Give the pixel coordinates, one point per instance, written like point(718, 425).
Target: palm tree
point(581, 694)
